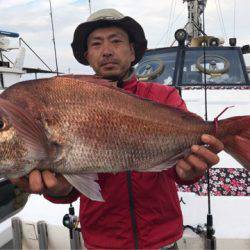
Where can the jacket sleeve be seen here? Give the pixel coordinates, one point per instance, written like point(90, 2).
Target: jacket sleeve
point(173, 98)
point(71, 197)
point(162, 94)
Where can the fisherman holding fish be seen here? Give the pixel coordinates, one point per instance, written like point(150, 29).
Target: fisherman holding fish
point(141, 209)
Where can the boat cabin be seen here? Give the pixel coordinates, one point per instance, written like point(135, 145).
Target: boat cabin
point(183, 66)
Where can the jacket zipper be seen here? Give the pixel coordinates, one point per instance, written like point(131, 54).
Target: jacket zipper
point(132, 209)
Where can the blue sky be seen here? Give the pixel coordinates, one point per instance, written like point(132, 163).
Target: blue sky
point(31, 19)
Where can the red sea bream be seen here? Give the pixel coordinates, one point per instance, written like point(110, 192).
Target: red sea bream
point(80, 126)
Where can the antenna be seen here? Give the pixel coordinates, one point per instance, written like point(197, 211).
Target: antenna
point(53, 39)
point(90, 11)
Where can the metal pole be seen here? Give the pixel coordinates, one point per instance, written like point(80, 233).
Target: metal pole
point(53, 39)
point(17, 233)
point(90, 11)
point(1, 75)
point(42, 235)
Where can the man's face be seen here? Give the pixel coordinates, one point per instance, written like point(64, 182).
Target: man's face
point(109, 52)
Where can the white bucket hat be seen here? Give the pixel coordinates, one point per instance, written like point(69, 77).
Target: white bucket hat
point(104, 18)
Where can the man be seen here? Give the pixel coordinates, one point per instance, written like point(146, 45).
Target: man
point(141, 210)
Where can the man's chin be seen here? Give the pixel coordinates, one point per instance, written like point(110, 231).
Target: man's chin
point(111, 75)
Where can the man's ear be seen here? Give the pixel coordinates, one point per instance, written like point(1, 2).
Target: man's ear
point(85, 55)
point(132, 49)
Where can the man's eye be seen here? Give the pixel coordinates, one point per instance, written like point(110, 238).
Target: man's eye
point(95, 44)
point(116, 41)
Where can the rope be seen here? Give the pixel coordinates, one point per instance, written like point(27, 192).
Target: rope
point(221, 20)
point(170, 16)
point(172, 23)
point(175, 20)
point(234, 15)
point(216, 126)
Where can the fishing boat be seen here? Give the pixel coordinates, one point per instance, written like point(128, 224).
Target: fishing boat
point(210, 78)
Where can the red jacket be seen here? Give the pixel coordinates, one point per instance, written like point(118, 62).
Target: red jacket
point(141, 210)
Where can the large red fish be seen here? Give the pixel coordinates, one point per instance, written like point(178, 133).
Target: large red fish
point(79, 126)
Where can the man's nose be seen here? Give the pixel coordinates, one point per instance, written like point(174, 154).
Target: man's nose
point(107, 50)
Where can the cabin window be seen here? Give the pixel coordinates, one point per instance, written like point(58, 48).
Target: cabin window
point(222, 67)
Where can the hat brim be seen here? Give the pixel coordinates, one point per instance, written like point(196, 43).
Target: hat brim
point(134, 30)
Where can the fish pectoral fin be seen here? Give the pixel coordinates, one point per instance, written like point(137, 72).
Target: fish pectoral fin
point(160, 167)
point(86, 184)
point(168, 163)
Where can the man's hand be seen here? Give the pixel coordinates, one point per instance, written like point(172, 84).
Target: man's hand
point(201, 158)
point(45, 182)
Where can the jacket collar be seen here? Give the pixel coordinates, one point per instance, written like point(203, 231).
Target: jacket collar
point(130, 83)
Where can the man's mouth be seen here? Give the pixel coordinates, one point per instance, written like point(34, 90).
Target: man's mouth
point(108, 63)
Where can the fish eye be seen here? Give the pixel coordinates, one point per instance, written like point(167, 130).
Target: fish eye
point(2, 124)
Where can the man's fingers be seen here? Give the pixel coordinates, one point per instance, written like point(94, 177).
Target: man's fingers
point(202, 157)
point(205, 154)
point(191, 167)
point(199, 166)
point(36, 182)
point(55, 184)
point(22, 183)
point(215, 145)
point(19, 181)
point(30, 184)
point(49, 178)
point(183, 168)
point(44, 182)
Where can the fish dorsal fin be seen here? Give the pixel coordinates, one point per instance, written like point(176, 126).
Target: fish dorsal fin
point(29, 131)
point(92, 79)
point(86, 184)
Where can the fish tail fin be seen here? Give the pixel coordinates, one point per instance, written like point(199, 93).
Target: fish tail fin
point(236, 138)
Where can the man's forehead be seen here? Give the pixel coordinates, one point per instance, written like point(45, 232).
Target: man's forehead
point(107, 32)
